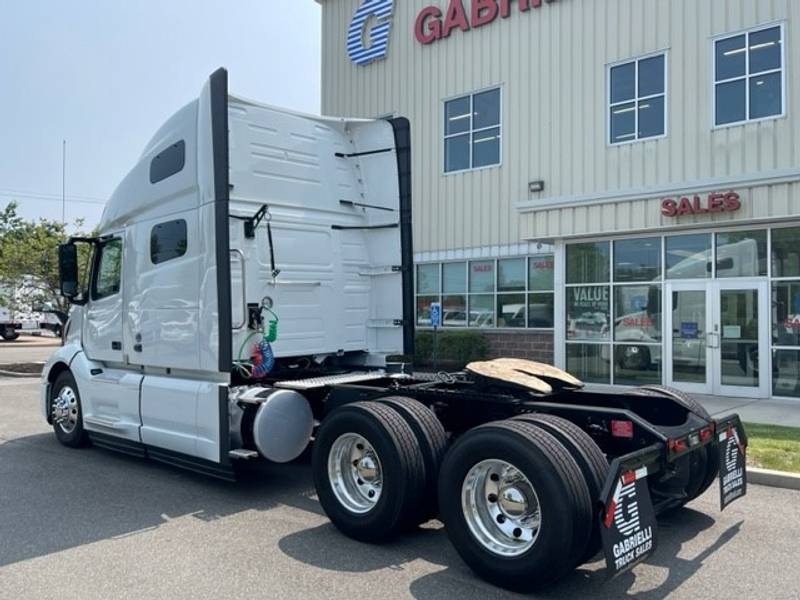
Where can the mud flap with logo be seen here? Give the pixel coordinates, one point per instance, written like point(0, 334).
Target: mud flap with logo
point(732, 448)
point(628, 519)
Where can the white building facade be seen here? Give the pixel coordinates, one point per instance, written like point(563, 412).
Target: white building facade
point(611, 185)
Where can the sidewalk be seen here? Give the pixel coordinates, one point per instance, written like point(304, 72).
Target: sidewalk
point(764, 411)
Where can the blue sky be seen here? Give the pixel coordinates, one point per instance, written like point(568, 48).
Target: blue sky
point(104, 75)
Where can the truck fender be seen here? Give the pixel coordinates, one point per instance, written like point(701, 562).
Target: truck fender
point(69, 357)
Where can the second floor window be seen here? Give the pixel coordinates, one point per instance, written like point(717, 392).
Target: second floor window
point(637, 99)
point(472, 131)
point(748, 76)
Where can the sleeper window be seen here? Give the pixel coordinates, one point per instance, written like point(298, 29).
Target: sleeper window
point(168, 241)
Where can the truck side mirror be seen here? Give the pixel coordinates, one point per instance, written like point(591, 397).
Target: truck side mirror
point(68, 270)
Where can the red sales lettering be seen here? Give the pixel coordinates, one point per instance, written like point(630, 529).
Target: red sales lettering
point(716, 202)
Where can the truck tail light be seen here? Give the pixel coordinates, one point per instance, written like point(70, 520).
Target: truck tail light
point(622, 429)
point(676, 445)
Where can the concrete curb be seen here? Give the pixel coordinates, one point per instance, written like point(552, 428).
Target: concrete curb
point(777, 479)
point(31, 369)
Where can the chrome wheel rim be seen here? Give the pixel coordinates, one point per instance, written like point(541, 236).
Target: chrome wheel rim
point(355, 473)
point(501, 508)
point(65, 409)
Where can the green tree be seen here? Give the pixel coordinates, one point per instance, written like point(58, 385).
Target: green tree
point(29, 260)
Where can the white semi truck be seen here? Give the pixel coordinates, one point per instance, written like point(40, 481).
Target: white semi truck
point(9, 324)
point(253, 272)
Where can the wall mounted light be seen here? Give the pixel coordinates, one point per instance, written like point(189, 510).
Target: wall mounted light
point(534, 187)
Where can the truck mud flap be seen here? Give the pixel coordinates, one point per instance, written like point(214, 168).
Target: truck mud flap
point(628, 520)
point(732, 448)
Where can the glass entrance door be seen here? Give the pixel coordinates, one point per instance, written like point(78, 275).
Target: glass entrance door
point(688, 352)
point(741, 339)
point(718, 338)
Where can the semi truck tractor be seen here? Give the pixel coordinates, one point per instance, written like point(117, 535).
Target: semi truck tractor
point(252, 275)
point(9, 324)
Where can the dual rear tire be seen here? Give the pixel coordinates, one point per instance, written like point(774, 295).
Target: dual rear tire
point(696, 472)
point(516, 496)
point(375, 466)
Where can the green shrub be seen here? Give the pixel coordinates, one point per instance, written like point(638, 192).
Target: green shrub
point(455, 348)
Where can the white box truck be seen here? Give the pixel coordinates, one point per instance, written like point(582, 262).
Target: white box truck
point(251, 275)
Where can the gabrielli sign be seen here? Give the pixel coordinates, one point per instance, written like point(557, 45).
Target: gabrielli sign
point(717, 202)
point(432, 25)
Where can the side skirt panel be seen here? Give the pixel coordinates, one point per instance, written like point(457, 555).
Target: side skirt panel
point(190, 463)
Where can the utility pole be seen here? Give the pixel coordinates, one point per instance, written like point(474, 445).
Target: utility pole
point(63, 182)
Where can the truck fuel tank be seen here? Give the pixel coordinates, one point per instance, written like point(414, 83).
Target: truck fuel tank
point(282, 425)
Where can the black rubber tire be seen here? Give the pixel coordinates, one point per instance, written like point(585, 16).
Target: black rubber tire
point(703, 467)
point(560, 487)
point(683, 398)
point(590, 459)
point(432, 440)
point(637, 362)
point(78, 437)
point(10, 335)
point(401, 460)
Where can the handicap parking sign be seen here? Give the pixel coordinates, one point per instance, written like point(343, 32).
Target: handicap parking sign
point(436, 314)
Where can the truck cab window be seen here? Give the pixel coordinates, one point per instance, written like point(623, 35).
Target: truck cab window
point(108, 269)
point(167, 241)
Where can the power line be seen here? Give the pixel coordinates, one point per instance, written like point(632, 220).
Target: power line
point(20, 194)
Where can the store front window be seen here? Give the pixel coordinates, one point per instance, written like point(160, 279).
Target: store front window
point(688, 256)
point(691, 310)
point(507, 293)
point(785, 255)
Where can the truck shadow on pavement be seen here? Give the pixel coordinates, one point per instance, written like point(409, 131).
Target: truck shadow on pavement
point(54, 499)
point(323, 547)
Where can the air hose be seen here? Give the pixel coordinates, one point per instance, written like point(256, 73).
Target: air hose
point(262, 358)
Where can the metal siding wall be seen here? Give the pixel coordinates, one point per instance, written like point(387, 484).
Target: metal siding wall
point(551, 63)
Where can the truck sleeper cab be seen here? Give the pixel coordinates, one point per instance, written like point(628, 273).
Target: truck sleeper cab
point(253, 272)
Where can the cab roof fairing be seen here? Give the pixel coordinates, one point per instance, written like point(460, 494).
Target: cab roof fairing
point(130, 198)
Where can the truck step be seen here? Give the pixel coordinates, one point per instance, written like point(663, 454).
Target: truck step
point(243, 453)
point(320, 382)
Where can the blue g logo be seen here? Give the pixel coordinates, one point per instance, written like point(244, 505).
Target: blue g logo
point(368, 36)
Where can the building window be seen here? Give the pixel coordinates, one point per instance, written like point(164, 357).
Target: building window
point(637, 260)
point(613, 311)
point(428, 291)
point(785, 253)
point(748, 76)
point(454, 294)
point(512, 293)
point(742, 254)
point(688, 256)
point(472, 131)
point(637, 99)
point(541, 300)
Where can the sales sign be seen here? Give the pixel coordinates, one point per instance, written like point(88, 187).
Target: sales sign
point(716, 202)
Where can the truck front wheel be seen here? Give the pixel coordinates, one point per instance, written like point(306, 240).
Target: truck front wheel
point(10, 334)
point(65, 411)
point(368, 471)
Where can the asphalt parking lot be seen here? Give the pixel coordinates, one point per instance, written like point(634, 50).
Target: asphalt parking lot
point(93, 524)
point(28, 348)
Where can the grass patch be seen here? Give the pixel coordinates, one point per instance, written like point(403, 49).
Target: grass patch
point(773, 447)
